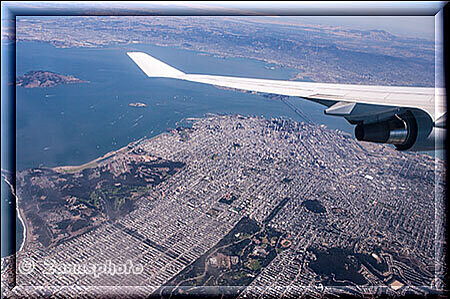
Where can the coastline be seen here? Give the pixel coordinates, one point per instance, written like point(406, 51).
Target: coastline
point(90, 164)
point(94, 163)
point(22, 221)
point(19, 215)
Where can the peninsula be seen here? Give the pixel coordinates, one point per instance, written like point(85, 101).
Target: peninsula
point(231, 199)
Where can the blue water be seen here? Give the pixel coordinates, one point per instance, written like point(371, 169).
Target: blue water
point(73, 124)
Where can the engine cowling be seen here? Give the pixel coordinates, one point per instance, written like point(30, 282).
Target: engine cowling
point(399, 130)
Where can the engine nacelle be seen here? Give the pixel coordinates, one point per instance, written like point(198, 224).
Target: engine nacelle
point(412, 130)
point(399, 130)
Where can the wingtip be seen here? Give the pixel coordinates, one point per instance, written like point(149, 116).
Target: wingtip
point(133, 53)
point(153, 67)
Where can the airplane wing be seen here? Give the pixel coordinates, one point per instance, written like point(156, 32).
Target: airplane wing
point(409, 117)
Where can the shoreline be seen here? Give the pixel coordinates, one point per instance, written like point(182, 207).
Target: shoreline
point(18, 215)
point(94, 163)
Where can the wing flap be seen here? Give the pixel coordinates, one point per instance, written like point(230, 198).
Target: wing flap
point(341, 109)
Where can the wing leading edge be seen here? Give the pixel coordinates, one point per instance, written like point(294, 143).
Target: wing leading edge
point(359, 104)
point(423, 98)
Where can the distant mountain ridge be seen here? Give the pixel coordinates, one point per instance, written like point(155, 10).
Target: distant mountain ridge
point(320, 53)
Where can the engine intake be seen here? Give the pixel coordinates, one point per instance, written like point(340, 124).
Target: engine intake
point(400, 130)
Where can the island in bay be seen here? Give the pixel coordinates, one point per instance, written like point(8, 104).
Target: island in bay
point(34, 79)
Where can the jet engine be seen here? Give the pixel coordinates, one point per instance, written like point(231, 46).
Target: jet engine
point(399, 130)
point(411, 130)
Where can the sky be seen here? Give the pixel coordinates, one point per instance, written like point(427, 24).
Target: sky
point(405, 26)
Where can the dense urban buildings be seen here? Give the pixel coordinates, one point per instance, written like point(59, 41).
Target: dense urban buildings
point(284, 207)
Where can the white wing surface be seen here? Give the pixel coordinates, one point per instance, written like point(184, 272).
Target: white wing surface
point(362, 104)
